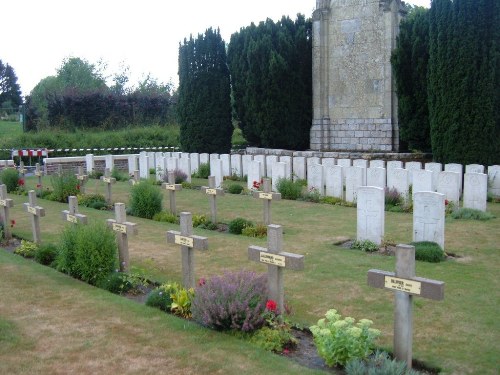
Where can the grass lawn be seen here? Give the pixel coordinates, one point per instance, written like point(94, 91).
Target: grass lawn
point(459, 334)
point(10, 130)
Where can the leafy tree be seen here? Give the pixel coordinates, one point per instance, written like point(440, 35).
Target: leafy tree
point(410, 61)
point(204, 107)
point(79, 74)
point(271, 73)
point(10, 92)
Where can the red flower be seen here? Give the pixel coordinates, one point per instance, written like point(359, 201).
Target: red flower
point(271, 305)
point(38, 186)
point(78, 187)
point(12, 223)
point(20, 182)
point(256, 185)
point(286, 351)
point(446, 202)
point(201, 281)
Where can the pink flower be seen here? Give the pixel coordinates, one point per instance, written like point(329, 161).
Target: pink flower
point(286, 351)
point(271, 305)
point(201, 282)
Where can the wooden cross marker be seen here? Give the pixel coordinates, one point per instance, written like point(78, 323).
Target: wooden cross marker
point(267, 196)
point(189, 243)
point(405, 285)
point(136, 179)
point(172, 187)
point(122, 228)
point(36, 212)
point(5, 204)
point(108, 180)
point(212, 193)
point(22, 170)
point(72, 214)
point(277, 260)
point(38, 174)
point(82, 179)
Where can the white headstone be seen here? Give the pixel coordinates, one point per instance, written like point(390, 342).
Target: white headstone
point(270, 160)
point(370, 214)
point(375, 176)
point(108, 161)
point(89, 163)
point(226, 164)
point(435, 168)
point(377, 164)
point(184, 155)
point(362, 163)
point(144, 165)
point(245, 161)
point(299, 168)
point(422, 181)
point(328, 162)
point(185, 166)
point(333, 181)
point(214, 156)
point(475, 190)
point(171, 164)
point(411, 166)
point(474, 168)
point(391, 164)
point(397, 178)
point(313, 160)
point(160, 168)
point(236, 165)
point(288, 161)
point(428, 217)
point(176, 154)
point(204, 158)
point(151, 160)
point(254, 174)
point(262, 160)
point(448, 184)
point(132, 164)
point(458, 168)
point(216, 171)
point(278, 171)
point(344, 163)
point(316, 178)
point(354, 178)
point(195, 161)
point(494, 180)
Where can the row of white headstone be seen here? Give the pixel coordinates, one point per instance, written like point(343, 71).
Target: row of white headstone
point(428, 215)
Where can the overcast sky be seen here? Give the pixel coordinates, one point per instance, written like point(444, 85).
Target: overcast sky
point(36, 35)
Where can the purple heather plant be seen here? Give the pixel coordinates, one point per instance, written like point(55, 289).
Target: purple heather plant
point(235, 300)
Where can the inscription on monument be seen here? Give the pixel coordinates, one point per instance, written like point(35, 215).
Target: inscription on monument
point(182, 240)
point(404, 285)
point(275, 260)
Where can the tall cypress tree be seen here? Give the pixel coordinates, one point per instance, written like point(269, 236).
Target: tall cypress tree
point(204, 106)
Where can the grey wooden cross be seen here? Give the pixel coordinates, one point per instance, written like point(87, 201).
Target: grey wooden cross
point(38, 174)
point(267, 196)
point(172, 187)
point(82, 179)
point(72, 214)
point(212, 193)
point(108, 180)
point(5, 204)
point(36, 212)
point(122, 228)
point(22, 170)
point(405, 285)
point(189, 243)
point(136, 179)
point(276, 260)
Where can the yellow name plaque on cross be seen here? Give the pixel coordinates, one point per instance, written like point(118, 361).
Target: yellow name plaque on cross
point(275, 260)
point(38, 174)
point(106, 179)
point(82, 178)
point(32, 210)
point(119, 228)
point(71, 218)
point(266, 195)
point(211, 191)
point(3, 202)
point(403, 285)
point(170, 187)
point(185, 241)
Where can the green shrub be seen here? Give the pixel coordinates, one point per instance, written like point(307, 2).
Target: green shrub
point(96, 201)
point(65, 260)
point(259, 231)
point(116, 282)
point(166, 217)
point(378, 364)
point(46, 254)
point(340, 340)
point(312, 195)
point(27, 249)
point(289, 189)
point(271, 339)
point(209, 225)
point(237, 225)
point(63, 186)
point(199, 220)
point(160, 298)
point(182, 299)
point(365, 245)
point(471, 214)
point(145, 200)
point(10, 178)
point(119, 175)
point(203, 171)
point(96, 175)
point(427, 251)
point(152, 171)
point(235, 189)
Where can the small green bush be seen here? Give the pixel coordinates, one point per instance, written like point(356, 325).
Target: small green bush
point(145, 200)
point(46, 254)
point(209, 225)
point(199, 220)
point(237, 225)
point(427, 251)
point(166, 217)
point(63, 186)
point(119, 175)
point(10, 178)
point(378, 364)
point(116, 282)
point(259, 231)
point(234, 189)
point(471, 214)
point(271, 339)
point(289, 189)
point(365, 245)
point(65, 260)
point(96, 175)
point(160, 298)
point(27, 249)
point(312, 195)
point(96, 201)
point(203, 171)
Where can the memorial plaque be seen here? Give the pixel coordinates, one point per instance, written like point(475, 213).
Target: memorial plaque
point(31, 210)
point(185, 241)
point(211, 192)
point(266, 195)
point(276, 260)
point(71, 219)
point(404, 285)
point(121, 228)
